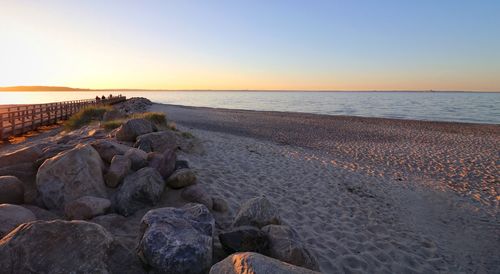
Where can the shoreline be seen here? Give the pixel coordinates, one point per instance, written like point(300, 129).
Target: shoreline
point(439, 155)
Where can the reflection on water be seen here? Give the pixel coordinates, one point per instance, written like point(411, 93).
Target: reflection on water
point(461, 107)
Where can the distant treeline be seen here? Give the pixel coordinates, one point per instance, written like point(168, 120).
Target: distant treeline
point(40, 88)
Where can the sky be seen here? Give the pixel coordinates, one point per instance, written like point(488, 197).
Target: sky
point(269, 44)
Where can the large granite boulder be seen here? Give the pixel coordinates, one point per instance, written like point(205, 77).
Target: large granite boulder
point(157, 141)
point(24, 155)
point(138, 158)
point(140, 189)
point(286, 245)
point(69, 176)
point(163, 162)
point(243, 239)
point(181, 178)
point(119, 168)
point(108, 149)
point(255, 263)
point(11, 190)
point(177, 240)
point(197, 194)
point(56, 247)
point(86, 207)
point(13, 215)
point(132, 128)
point(257, 212)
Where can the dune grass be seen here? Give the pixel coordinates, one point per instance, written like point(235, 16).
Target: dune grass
point(85, 116)
point(110, 125)
point(157, 118)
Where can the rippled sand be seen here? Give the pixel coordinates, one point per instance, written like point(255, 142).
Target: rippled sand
point(367, 195)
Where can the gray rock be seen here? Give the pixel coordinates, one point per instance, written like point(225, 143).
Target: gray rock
point(197, 194)
point(140, 189)
point(219, 204)
point(181, 178)
point(108, 149)
point(42, 214)
point(138, 158)
point(11, 190)
point(157, 141)
point(177, 240)
point(257, 212)
point(86, 207)
point(119, 168)
point(56, 247)
point(13, 215)
point(69, 176)
point(24, 155)
point(163, 162)
point(133, 128)
point(180, 164)
point(249, 262)
point(286, 245)
point(243, 239)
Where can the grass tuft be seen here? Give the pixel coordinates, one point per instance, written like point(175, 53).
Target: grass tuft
point(187, 135)
point(85, 116)
point(157, 118)
point(110, 125)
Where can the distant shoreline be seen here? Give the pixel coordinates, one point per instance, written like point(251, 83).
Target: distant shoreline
point(69, 89)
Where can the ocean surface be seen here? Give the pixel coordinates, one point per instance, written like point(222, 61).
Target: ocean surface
point(433, 106)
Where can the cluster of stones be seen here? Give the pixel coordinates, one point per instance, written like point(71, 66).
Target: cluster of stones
point(57, 199)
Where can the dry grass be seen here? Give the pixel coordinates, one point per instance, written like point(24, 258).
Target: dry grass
point(85, 116)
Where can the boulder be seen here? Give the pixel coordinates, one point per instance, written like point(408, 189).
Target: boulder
point(177, 240)
point(11, 190)
point(86, 207)
point(140, 189)
point(197, 194)
point(163, 162)
point(42, 214)
point(157, 141)
point(255, 263)
point(69, 176)
point(24, 155)
point(56, 247)
point(286, 245)
point(219, 204)
point(257, 212)
point(13, 215)
point(119, 168)
point(181, 178)
point(108, 149)
point(243, 239)
point(180, 164)
point(138, 158)
point(52, 151)
point(132, 128)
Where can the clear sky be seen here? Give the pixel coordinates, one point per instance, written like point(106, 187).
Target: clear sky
point(309, 44)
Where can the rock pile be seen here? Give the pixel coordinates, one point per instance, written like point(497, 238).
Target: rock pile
point(72, 204)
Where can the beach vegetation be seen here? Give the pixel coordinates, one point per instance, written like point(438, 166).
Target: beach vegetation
point(85, 116)
point(157, 118)
point(110, 125)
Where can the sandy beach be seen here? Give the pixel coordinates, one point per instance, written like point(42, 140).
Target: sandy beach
point(367, 195)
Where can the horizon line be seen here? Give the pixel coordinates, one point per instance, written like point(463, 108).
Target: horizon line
point(68, 89)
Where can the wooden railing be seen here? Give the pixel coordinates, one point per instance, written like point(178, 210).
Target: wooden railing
point(19, 119)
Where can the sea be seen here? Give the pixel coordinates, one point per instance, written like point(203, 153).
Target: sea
point(468, 107)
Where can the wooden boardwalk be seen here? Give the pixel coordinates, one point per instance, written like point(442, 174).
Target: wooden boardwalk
point(19, 119)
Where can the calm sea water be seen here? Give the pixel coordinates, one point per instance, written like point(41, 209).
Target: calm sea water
point(435, 106)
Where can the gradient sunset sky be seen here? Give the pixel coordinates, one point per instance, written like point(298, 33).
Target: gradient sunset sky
point(299, 45)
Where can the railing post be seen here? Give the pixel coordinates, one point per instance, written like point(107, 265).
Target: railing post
point(1, 126)
point(33, 118)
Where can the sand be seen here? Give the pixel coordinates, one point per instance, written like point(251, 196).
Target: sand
point(334, 180)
